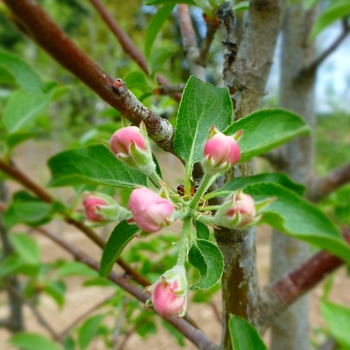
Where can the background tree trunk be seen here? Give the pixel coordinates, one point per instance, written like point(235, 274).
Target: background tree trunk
point(291, 330)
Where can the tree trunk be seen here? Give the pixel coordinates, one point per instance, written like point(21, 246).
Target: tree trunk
point(290, 330)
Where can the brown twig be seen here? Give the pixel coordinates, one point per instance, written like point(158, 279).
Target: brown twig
point(185, 328)
point(169, 89)
point(35, 311)
point(46, 197)
point(52, 39)
point(212, 28)
point(189, 42)
point(323, 186)
point(127, 44)
point(277, 296)
point(311, 68)
point(63, 334)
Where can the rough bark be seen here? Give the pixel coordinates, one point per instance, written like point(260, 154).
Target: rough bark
point(290, 330)
point(246, 81)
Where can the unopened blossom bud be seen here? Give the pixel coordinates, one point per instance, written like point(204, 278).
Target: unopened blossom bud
point(238, 211)
point(101, 209)
point(220, 152)
point(131, 146)
point(149, 211)
point(169, 293)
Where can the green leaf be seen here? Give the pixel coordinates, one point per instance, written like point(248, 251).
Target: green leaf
point(146, 327)
point(92, 165)
point(56, 290)
point(14, 264)
point(69, 343)
point(88, 330)
point(32, 341)
point(119, 238)
point(265, 130)
point(158, 57)
point(6, 77)
point(26, 209)
point(202, 230)
point(74, 268)
point(16, 138)
point(27, 248)
point(202, 105)
point(241, 6)
point(298, 218)
point(24, 75)
point(168, 2)
point(135, 80)
point(242, 182)
point(207, 258)
point(155, 25)
point(22, 108)
point(335, 11)
point(338, 320)
point(243, 335)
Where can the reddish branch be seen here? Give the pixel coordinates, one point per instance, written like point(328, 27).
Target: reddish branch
point(189, 42)
point(185, 328)
point(280, 294)
point(46, 197)
point(127, 44)
point(49, 36)
point(323, 186)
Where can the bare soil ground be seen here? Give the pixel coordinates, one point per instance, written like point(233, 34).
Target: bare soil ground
point(31, 158)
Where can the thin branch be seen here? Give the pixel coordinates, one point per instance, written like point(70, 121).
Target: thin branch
point(311, 68)
point(119, 324)
point(63, 334)
point(40, 318)
point(46, 197)
point(212, 27)
point(169, 89)
point(127, 44)
point(323, 186)
point(185, 328)
point(52, 39)
point(124, 40)
point(283, 292)
point(189, 41)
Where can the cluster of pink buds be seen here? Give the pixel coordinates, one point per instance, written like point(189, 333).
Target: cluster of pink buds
point(101, 209)
point(238, 211)
point(149, 211)
point(220, 152)
point(169, 293)
point(131, 146)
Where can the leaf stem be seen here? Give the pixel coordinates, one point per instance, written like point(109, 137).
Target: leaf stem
point(183, 242)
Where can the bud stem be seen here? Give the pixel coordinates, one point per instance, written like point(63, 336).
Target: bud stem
point(203, 186)
point(183, 242)
point(155, 179)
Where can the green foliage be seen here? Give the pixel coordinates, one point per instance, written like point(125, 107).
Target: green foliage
point(88, 330)
point(311, 224)
point(243, 335)
point(338, 319)
point(92, 165)
point(32, 341)
point(265, 130)
point(120, 237)
point(208, 259)
point(336, 10)
point(155, 25)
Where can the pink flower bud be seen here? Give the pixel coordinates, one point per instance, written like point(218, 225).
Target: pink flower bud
point(169, 293)
point(131, 146)
point(220, 152)
point(101, 209)
point(238, 211)
point(92, 204)
point(124, 138)
point(243, 207)
point(150, 211)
